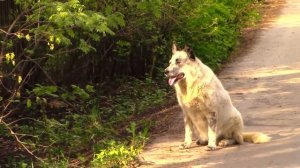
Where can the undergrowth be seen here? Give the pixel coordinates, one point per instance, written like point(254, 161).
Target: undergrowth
point(79, 126)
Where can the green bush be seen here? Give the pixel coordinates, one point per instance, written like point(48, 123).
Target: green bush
point(71, 121)
point(116, 155)
point(121, 155)
point(212, 28)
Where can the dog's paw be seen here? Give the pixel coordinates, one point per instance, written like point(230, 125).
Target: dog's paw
point(184, 146)
point(223, 143)
point(211, 148)
point(226, 142)
point(201, 142)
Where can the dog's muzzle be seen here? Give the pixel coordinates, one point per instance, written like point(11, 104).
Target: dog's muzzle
point(175, 78)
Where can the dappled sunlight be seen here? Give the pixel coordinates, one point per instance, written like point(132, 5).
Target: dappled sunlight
point(210, 164)
point(288, 20)
point(288, 132)
point(289, 17)
point(247, 153)
point(291, 81)
point(268, 72)
point(266, 81)
point(275, 72)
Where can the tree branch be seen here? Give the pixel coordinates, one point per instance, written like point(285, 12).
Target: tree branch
point(19, 141)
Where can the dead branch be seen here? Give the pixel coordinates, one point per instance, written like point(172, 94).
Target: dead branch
point(15, 135)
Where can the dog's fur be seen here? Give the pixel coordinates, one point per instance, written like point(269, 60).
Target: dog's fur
point(205, 103)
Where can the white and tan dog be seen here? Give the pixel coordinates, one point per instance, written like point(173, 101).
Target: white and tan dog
point(205, 103)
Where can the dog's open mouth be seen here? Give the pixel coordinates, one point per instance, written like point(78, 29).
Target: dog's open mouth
point(174, 79)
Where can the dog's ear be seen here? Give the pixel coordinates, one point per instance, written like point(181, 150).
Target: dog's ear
point(189, 51)
point(174, 48)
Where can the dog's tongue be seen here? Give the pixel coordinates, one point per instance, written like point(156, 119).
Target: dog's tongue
point(172, 81)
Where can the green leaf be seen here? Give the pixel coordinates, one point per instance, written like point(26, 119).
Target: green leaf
point(28, 103)
point(67, 96)
point(90, 88)
point(84, 46)
point(45, 90)
point(80, 92)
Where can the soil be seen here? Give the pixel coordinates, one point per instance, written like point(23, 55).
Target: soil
point(263, 79)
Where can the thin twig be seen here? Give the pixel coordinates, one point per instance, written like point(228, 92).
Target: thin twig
point(10, 29)
point(26, 118)
point(25, 135)
point(19, 141)
point(5, 32)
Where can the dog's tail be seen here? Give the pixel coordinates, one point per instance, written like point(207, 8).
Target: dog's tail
point(256, 137)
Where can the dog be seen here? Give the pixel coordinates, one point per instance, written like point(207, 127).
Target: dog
point(206, 105)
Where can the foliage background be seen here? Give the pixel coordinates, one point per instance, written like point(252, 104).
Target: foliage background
point(74, 73)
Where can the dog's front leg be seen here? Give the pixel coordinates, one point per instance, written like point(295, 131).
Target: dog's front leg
point(212, 131)
point(188, 133)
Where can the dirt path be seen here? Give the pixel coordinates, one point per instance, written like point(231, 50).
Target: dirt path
point(264, 83)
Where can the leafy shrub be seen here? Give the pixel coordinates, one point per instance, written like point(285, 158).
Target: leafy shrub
point(212, 28)
point(115, 155)
point(69, 121)
point(121, 155)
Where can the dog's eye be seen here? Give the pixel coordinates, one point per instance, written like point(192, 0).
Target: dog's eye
point(177, 61)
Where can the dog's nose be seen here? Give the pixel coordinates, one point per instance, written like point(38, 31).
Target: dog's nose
point(166, 71)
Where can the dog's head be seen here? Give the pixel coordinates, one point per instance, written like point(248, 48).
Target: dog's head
point(180, 64)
